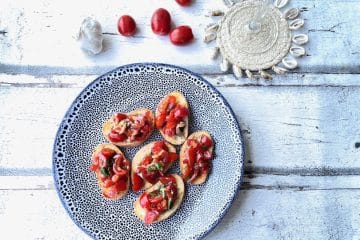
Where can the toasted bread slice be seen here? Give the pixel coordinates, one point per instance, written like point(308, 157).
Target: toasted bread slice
point(178, 139)
point(139, 157)
point(108, 125)
point(98, 173)
point(141, 212)
point(196, 136)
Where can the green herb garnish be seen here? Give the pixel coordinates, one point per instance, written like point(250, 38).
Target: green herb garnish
point(104, 171)
point(170, 202)
point(154, 167)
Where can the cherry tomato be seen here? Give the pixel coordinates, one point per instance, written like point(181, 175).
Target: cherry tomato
point(183, 2)
point(181, 35)
point(126, 25)
point(161, 22)
point(138, 182)
point(120, 185)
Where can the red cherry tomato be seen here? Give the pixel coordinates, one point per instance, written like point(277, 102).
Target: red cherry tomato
point(126, 25)
point(161, 21)
point(181, 35)
point(183, 2)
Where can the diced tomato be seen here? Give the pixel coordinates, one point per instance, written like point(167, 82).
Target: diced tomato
point(168, 179)
point(108, 183)
point(138, 182)
point(121, 166)
point(116, 137)
point(144, 201)
point(206, 141)
point(107, 153)
point(170, 132)
point(195, 174)
point(151, 216)
point(156, 199)
point(160, 120)
point(162, 206)
point(158, 146)
point(147, 160)
point(151, 177)
point(192, 152)
point(121, 185)
point(192, 143)
point(119, 116)
point(181, 112)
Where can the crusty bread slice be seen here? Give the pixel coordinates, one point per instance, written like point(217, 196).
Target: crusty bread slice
point(98, 174)
point(196, 135)
point(141, 154)
point(108, 125)
point(176, 140)
point(141, 212)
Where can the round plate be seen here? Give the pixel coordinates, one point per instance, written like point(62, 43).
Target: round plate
point(125, 89)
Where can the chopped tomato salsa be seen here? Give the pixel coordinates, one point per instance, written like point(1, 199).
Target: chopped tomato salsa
point(159, 200)
point(112, 169)
point(197, 157)
point(171, 116)
point(130, 127)
point(153, 166)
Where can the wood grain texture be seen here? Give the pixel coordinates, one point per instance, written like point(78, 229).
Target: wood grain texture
point(279, 124)
point(268, 207)
point(37, 37)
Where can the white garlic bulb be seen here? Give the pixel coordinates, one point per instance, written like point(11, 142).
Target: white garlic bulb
point(90, 35)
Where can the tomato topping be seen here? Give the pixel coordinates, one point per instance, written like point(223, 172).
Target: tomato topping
point(197, 157)
point(138, 182)
point(159, 200)
point(144, 201)
point(132, 128)
point(167, 179)
point(151, 216)
point(206, 142)
point(169, 115)
point(154, 165)
point(119, 116)
point(113, 171)
point(158, 146)
point(116, 137)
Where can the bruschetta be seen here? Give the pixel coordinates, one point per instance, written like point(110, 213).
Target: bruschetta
point(172, 118)
point(129, 129)
point(112, 171)
point(151, 162)
point(161, 200)
point(195, 157)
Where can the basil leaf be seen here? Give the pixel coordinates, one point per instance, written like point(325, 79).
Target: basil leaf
point(104, 171)
point(170, 202)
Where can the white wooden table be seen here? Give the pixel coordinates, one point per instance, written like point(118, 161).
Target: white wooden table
point(302, 130)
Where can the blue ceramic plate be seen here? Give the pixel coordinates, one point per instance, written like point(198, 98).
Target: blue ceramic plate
point(125, 89)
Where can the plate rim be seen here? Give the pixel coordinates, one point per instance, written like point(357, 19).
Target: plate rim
point(155, 64)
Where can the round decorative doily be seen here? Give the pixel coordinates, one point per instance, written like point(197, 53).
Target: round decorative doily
point(253, 53)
